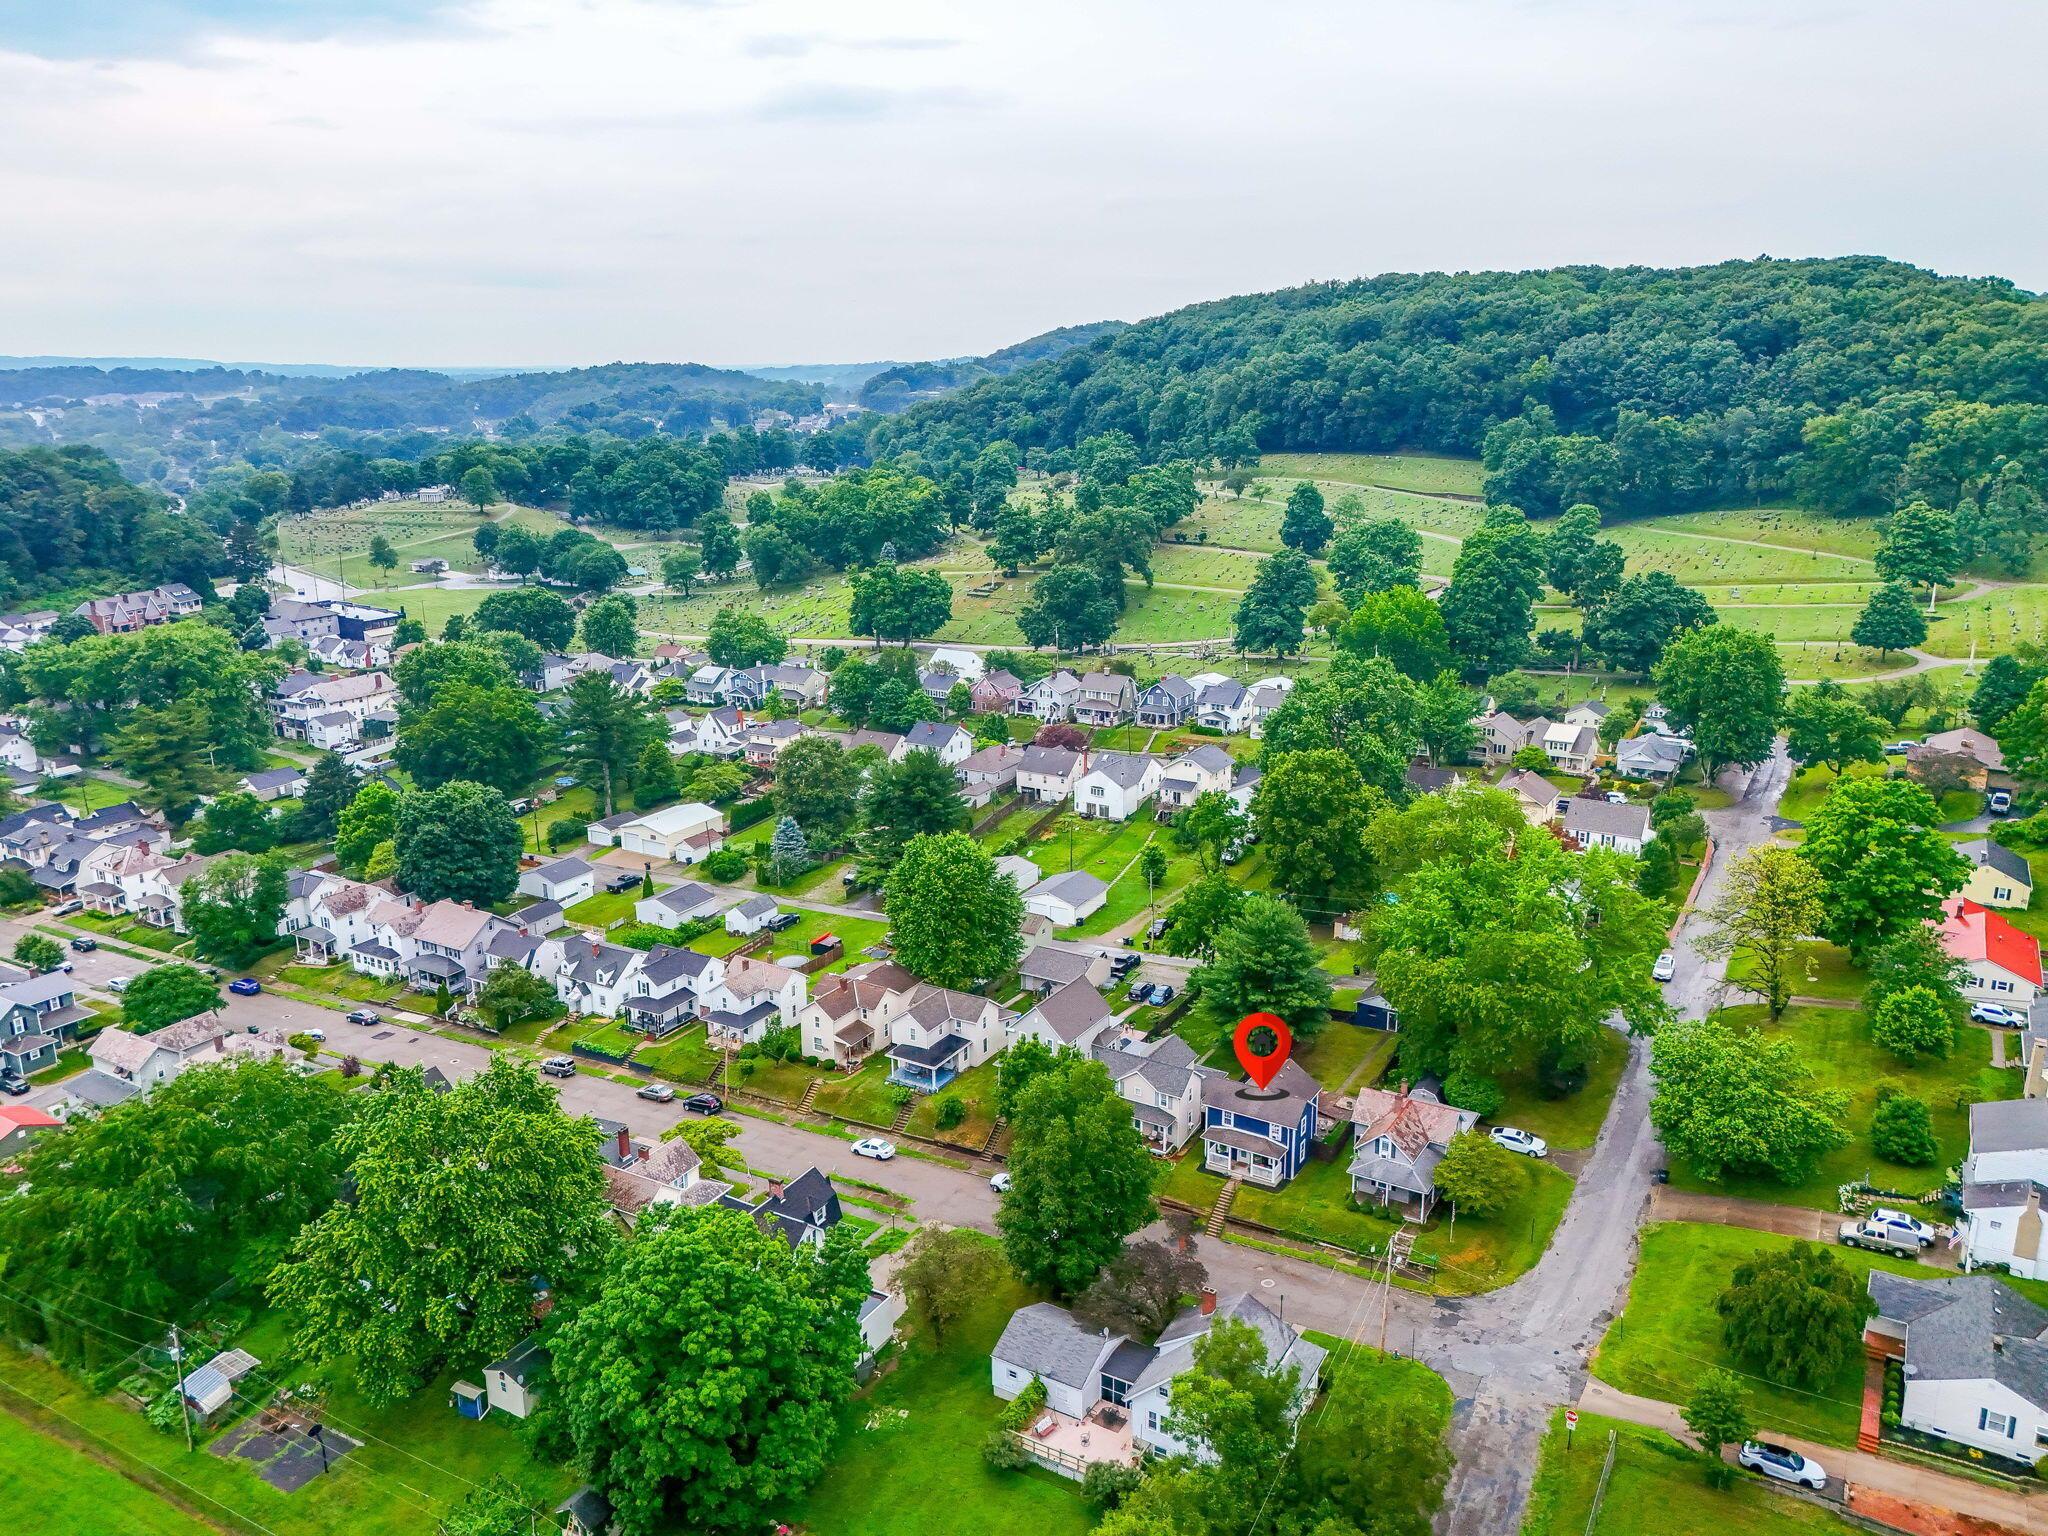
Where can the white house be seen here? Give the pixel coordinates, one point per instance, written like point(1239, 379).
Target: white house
point(677, 905)
point(1064, 900)
point(511, 1385)
point(1587, 714)
point(303, 699)
point(1085, 1370)
point(564, 881)
point(949, 743)
point(146, 1060)
point(1266, 695)
point(2004, 964)
point(1539, 799)
point(681, 834)
point(750, 916)
point(940, 1033)
point(1105, 698)
point(1022, 872)
point(1206, 769)
point(1975, 1358)
point(1221, 703)
point(964, 664)
point(2002, 1182)
point(1047, 774)
point(751, 998)
point(1050, 699)
point(849, 1014)
point(1113, 786)
point(1501, 736)
point(1598, 824)
point(1571, 748)
point(1072, 1017)
point(719, 732)
point(1162, 1082)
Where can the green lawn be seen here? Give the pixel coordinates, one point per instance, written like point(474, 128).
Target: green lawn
point(976, 1088)
point(1337, 1054)
point(685, 1056)
point(717, 942)
point(1821, 970)
point(784, 1080)
point(57, 1491)
point(1810, 786)
point(1129, 895)
point(1472, 1255)
point(1836, 1043)
point(342, 981)
point(1428, 473)
point(418, 1458)
point(1656, 1489)
point(576, 804)
point(606, 907)
point(1669, 1331)
point(854, 934)
point(863, 1096)
point(1571, 1122)
point(909, 1463)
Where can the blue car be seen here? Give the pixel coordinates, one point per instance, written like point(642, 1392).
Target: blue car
point(245, 986)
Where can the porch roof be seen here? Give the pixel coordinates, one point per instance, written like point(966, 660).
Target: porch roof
point(937, 1054)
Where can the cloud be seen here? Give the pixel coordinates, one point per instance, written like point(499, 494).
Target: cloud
point(112, 29)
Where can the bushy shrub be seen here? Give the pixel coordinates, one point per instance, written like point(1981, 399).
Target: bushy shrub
point(726, 864)
point(1474, 1091)
point(1106, 1484)
point(568, 829)
point(165, 1414)
point(950, 1111)
point(303, 1042)
point(1902, 1129)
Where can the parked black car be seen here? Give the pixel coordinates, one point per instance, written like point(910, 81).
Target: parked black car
point(704, 1103)
point(84, 946)
point(14, 1085)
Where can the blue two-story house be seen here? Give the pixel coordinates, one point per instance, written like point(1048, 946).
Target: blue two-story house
point(38, 1017)
point(1260, 1135)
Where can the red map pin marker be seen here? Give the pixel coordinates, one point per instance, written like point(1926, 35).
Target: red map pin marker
point(1262, 1069)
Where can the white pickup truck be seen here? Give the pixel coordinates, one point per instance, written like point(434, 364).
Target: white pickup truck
point(1880, 1237)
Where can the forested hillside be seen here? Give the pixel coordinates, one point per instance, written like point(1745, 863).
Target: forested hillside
point(1853, 384)
point(905, 383)
point(68, 518)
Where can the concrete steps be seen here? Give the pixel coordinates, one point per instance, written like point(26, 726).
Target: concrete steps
point(1220, 1212)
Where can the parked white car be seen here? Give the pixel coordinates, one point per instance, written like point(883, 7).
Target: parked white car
point(1665, 968)
point(1781, 1462)
point(874, 1146)
point(1998, 1016)
point(1000, 1182)
point(1528, 1143)
point(1902, 1224)
point(118, 983)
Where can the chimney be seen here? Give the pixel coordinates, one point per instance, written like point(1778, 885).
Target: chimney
point(1208, 1302)
point(775, 1190)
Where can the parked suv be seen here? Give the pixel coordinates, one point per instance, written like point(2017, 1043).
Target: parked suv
point(559, 1066)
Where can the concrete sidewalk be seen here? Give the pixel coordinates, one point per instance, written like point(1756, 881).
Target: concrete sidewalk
point(1916, 1485)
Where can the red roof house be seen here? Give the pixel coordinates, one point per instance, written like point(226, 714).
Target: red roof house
point(2005, 964)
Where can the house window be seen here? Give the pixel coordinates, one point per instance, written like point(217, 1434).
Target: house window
point(1994, 1423)
point(1013, 1375)
point(1152, 1420)
point(2001, 893)
point(2000, 986)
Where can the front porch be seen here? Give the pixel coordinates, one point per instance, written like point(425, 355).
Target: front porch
point(927, 1068)
point(1070, 1446)
point(429, 973)
point(1239, 1154)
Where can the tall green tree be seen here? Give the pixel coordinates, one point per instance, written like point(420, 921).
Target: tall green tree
point(1883, 865)
point(1068, 607)
point(1489, 607)
point(1727, 687)
point(1402, 625)
point(2003, 686)
point(543, 617)
point(458, 1200)
point(368, 819)
point(1581, 564)
point(1639, 617)
point(2004, 523)
point(1889, 621)
point(1375, 556)
point(494, 735)
point(1262, 961)
point(147, 1210)
point(1305, 525)
point(904, 800)
point(1271, 614)
point(459, 842)
point(233, 907)
point(702, 1385)
point(958, 920)
point(738, 638)
point(611, 626)
point(1312, 809)
point(1718, 1412)
point(818, 784)
point(1208, 827)
point(1362, 707)
point(330, 786)
point(890, 603)
point(1795, 1316)
point(1733, 1102)
point(1919, 547)
point(164, 994)
point(1823, 724)
point(604, 731)
point(1080, 1177)
point(1773, 899)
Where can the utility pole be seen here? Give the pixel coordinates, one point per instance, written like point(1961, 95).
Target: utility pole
point(184, 1408)
point(1399, 1246)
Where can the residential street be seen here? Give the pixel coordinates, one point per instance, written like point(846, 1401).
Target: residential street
point(1511, 1356)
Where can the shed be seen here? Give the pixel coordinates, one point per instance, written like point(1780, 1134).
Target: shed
point(469, 1400)
point(513, 1383)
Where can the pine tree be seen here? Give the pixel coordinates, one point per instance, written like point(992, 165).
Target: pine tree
point(788, 851)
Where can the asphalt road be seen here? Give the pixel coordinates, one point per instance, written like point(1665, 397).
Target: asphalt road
point(1511, 1356)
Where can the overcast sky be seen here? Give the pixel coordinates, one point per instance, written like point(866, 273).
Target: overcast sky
point(552, 182)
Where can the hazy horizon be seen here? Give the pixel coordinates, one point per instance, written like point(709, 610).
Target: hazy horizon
point(359, 183)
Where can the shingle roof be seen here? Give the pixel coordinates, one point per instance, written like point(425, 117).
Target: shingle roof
point(1984, 853)
point(1072, 1010)
point(1968, 1328)
point(1600, 818)
point(1076, 887)
point(1971, 932)
point(2009, 1125)
point(1125, 769)
point(1050, 1341)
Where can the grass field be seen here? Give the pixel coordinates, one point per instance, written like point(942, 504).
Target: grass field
point(1669, 1331)
point(1432, 474)
point(57, 1491)
point(909, 1462)
point(1836, 1044)
point(1657, 1488)
point(1572, 1122)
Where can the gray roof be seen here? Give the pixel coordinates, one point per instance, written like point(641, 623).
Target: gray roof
point(1169, 1065)
point(665, 964)
point(564, 869)
point(273, 778)
point(1050, 1341)
point(1054, 962)
point(100, 1089)
point(538, 914)
point(1057, 762)
point(930, 736)
point(1227, 694)
point(1127, 769)
point(1076, 887)
point(756, 906)
point(687, 897)
point(1982, 851)
point(1072, 1010)
point(1650, 750)
point(2009, 1125)
point(1207, 756)
point(1173, 686)
point(1968, 1328)
point(1601, 818)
